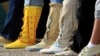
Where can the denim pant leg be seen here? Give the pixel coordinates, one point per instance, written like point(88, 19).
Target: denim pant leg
point(34, 3)
point(56, 1)
point(13, 21)
point(2, 17)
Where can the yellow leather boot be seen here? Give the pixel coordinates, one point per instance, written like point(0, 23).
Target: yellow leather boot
point(28, 34)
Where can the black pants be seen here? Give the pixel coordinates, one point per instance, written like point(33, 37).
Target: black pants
point(13, 21)
point(85, 14)
point(3, 1)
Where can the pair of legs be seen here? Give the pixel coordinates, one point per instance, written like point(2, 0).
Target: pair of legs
point(94, 44)
point(13, 21)
point(52, 26)
point(85, 15)
point(32, 13)
point(12, 26)
point(66, 22)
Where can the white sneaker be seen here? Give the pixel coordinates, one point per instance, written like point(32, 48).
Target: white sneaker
point(90, 51)
point(52, 49)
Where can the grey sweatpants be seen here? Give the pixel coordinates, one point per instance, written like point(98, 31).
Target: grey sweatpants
point(97, 9)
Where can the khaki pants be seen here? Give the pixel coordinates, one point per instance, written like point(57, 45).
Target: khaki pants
point(68, 23)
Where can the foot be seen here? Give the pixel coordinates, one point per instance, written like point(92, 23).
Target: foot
point(51, 50)
point(54, 48)
point(90, 51)
point(16, 44)
point(3, 40)
point(37, 47)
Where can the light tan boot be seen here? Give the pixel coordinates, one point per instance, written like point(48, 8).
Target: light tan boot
point(68, 24)
point(4, 41)
point(28, 34)
point(52, 30)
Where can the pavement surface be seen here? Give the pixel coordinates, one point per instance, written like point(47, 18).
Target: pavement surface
point(20, 52)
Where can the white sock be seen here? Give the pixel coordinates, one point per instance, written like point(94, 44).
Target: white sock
point(90, 45)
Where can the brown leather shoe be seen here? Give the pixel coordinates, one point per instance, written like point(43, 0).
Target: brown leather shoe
point(4, 41)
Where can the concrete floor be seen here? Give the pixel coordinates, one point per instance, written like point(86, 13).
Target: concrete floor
point(20, 52)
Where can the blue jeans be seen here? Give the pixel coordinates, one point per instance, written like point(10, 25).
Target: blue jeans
point(13, 21)
point(56, 1)
point(2, 17)
point(34, 3)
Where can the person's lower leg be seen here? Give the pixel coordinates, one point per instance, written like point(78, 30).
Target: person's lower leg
point(52, 26)
point(32, 13)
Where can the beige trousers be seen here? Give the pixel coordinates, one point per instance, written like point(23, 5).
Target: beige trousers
point(52, 25)
point(68, 23)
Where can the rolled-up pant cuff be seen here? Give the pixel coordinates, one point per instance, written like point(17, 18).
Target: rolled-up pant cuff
point(56, 1)
point(34, 3)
